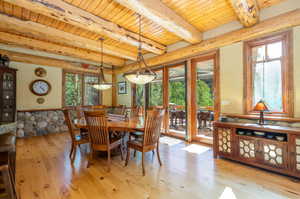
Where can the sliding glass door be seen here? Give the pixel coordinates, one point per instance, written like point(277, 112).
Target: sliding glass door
point(206, 97)
point(155, 94)
point(176, 100)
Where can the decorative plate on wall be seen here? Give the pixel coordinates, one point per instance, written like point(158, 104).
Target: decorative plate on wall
point(40, 87)
point(40, 72)
point(40, 100)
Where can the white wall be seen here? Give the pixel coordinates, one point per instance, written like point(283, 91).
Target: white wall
point(231, 78)
point(25, 98)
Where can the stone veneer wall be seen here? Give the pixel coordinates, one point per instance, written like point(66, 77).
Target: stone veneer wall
point(40, 123)
point(270, 122)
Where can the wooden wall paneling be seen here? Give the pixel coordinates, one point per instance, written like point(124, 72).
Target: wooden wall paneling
point(114, 90)
point(278, 23)
point(162, 15)
point(166, 98)
point(191, 100)
point(26, 42)
point(9, 23)
point(45, 61)
point(62, 11)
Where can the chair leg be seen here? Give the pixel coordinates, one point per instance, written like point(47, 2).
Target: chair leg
point(127, 156)
point(74, 152)
point(158, 156)
point(90, 158)
point(153, 152)
point(108, 159)
point(143, 163)
point(121, 150)
point(134, 154)
point(72, 149)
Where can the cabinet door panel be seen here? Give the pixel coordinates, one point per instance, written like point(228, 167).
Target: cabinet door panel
point(225, 141)
point(295, 154)
point(247, 149)
point(274, 154)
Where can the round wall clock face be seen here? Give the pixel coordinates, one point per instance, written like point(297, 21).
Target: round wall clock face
point(40, 87)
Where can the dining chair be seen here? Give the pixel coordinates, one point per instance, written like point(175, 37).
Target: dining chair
point(150, 139)
point(77, 139)
point(99, 136)
point(119, 110)
point(7, 185)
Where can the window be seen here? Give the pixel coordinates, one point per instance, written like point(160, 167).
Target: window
point(78, 89)
point(156, 90)
point(268, 74)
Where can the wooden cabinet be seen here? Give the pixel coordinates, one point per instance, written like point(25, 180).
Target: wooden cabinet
point(295, 154)
point(247, 148)
point(7, 95)
point(224, 141)
point(273, 154)
point(265, 151)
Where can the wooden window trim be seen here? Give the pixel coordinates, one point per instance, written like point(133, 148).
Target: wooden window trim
point(287, 73)
point(83, 74)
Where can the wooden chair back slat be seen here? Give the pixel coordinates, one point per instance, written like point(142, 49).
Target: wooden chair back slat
point(153, 126)
point(97, 127)
point(69, 123)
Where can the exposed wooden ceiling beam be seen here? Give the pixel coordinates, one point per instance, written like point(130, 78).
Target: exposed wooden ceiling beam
point(10, 23)
point(162, 15)
point(246, 11)
point(62, 11)
point(274, 24)
point(45, 61)
point(25, 42)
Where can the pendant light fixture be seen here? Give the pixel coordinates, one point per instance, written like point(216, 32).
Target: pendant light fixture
point(103, 85)
point(144, 74)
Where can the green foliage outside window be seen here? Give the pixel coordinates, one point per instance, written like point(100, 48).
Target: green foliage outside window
point(204, 94)
point(73, 96)
point(73, 92)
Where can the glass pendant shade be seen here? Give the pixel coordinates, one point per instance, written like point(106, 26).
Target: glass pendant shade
point(142, 77)
point(103, 85)
point(144, 74)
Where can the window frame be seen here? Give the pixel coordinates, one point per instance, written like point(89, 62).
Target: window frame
point(286, 73)
point(82, 87)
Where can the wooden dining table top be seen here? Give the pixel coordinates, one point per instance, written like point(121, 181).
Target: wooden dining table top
point(115, 123)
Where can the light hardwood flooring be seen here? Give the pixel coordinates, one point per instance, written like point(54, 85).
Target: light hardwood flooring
point(44, 171)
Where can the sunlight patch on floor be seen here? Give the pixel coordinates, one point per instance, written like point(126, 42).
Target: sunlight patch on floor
point(227, 194)
point(195, 148)
point(169, 141)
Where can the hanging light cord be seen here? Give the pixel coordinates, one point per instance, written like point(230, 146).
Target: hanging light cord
point(101, 66)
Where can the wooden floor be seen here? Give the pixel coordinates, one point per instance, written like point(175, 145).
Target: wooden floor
point(44, 171)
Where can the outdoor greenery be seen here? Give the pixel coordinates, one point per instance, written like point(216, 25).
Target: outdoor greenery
point(74, 90)
point(204, 94)
point(176, 93)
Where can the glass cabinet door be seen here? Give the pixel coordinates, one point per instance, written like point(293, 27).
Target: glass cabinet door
point(8, 97)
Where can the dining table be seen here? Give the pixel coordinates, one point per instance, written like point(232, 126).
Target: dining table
point(117, 123)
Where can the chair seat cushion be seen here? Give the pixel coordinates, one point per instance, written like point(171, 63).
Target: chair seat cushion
point(137, 142)
point(137, 134)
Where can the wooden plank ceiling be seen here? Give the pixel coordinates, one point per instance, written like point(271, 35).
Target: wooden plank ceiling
point(204, 15)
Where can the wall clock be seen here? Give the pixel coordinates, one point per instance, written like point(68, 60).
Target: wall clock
point(40, 72)
point(40, 87)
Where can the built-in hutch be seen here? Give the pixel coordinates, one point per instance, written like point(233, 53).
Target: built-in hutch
point(274, 148)
point(7, 95)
